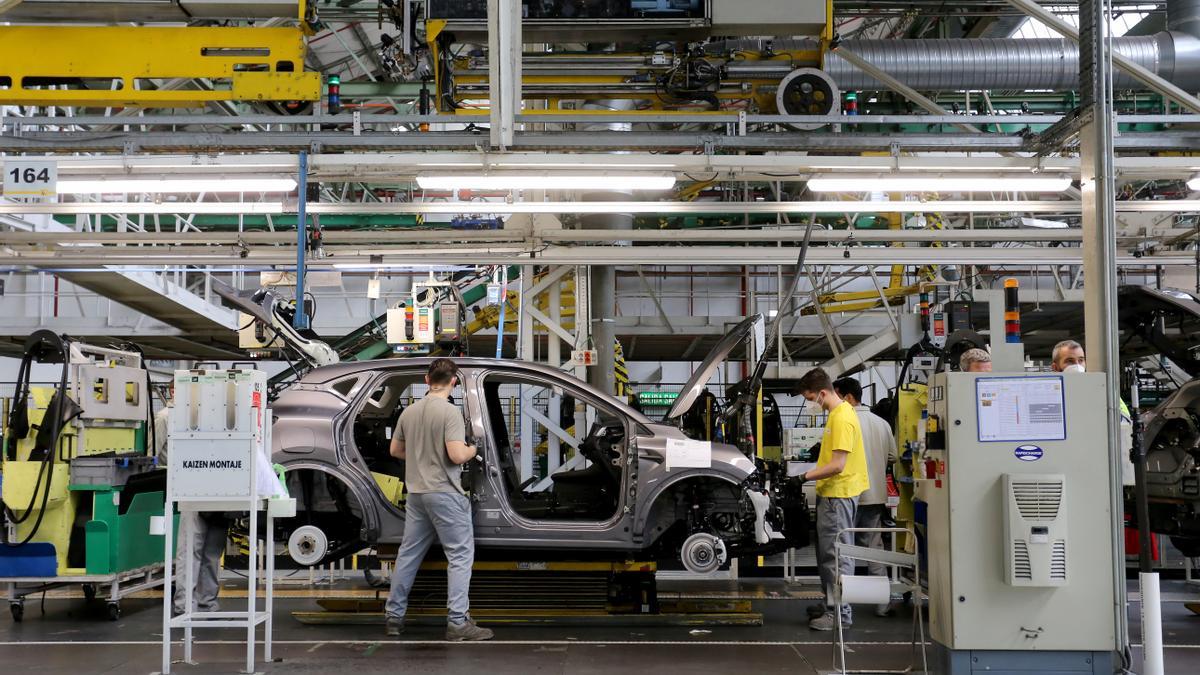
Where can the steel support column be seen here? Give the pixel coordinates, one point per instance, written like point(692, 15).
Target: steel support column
point(504, 69)
point(1098, 191)
point(300, 318)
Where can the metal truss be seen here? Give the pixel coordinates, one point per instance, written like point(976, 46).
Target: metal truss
point(419, 256)
point(706, 143)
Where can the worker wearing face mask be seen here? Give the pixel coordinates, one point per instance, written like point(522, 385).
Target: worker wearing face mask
point(1068, 357)
point(841, 477)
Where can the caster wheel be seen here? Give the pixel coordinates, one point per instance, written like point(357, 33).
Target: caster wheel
point(18, 611)
point(89, 592)
point(114, 611)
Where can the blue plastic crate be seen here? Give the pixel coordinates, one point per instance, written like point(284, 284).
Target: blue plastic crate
point(35, 559)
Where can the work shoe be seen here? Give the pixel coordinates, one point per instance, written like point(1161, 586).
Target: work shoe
point(816, 610)
point(827, 622)
point(467, 631)
point(394, 626)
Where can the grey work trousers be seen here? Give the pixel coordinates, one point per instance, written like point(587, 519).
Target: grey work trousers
point(871, 515)
point(205, 535)
point(834, 514)
point(445, 516)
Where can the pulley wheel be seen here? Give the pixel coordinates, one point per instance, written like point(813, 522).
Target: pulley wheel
point(808, 91)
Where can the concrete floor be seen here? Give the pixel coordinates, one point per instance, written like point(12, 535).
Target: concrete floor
point(74, 637)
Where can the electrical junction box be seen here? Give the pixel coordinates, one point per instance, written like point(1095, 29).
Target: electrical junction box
point(1020, 532)
point(768, 17)
point(422, 326)
point(447, 325)
point(925, 363)
point(937, 334)
point(397, 325)
point(797, 441)
point(958, 316)
point(584, 357)
point(412, 329)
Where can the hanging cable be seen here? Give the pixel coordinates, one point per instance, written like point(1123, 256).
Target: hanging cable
point(58, 414)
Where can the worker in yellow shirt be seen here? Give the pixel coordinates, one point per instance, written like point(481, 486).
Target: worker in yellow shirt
point(841, 476)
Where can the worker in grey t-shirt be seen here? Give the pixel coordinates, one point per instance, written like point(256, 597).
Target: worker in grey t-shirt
point(880, 445)
point(431, 439)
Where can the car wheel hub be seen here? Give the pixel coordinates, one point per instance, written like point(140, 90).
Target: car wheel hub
point(308, 545)
point(702, 553)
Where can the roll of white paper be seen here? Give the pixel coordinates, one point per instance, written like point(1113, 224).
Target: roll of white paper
point(866, 590)
point(1152, 639)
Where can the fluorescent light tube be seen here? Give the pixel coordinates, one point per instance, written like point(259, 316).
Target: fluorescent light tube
point(75, 186)
point(546, 182)
point(940, 183)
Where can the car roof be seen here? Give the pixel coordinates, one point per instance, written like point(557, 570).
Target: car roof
point(318, 376)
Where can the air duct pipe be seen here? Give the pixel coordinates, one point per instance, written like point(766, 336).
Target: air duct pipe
point(1008, 64)
point(997, 64)
point(1183, 16)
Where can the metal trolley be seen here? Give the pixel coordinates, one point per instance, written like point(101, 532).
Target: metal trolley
point(118, 584)
point(904, 563)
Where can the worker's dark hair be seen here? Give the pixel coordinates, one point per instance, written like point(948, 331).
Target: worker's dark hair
point(440, 372)
point(848, 386)
point(814, 381)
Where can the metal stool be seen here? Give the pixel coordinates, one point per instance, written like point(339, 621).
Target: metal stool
point(893, 559)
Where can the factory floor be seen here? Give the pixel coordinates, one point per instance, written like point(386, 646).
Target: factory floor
point(73, 637)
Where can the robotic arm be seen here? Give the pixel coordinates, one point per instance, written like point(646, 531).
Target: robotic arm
point(265, 307)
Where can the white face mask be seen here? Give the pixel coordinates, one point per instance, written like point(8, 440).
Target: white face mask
point(1074, 368)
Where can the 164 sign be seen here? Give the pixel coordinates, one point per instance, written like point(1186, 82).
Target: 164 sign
point(30, 180)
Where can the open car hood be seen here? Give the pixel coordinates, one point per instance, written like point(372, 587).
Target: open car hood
point(691, 391)
point(1162, 321)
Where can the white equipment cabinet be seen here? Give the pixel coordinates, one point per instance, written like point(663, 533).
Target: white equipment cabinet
point(219, 460)
point(1020, 531)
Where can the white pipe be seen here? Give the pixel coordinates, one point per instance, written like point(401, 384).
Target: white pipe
point(1152, 643)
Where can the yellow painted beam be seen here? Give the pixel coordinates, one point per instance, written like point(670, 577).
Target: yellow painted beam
point(244, 64)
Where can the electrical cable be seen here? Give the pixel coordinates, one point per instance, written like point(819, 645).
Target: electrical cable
point(19, 421)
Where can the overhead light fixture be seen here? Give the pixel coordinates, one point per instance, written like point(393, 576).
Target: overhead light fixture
point(78, 186)
point(379, 265)
point(525, 181)
point(940, 183)
point(1040, 223)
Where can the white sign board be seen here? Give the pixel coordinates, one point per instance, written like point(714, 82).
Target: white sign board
point(210, 467)
point(688, 454)
point(30, 180)
point(1021, 408)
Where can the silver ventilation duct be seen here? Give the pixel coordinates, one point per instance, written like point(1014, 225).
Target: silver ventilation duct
point(1008, 64)
point(1184, 16)
point(1002, 64)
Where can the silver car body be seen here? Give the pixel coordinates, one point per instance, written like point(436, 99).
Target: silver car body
point(312, 431)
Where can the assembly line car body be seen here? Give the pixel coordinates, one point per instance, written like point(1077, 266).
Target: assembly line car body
point(1166, 323)
point(617, 496)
